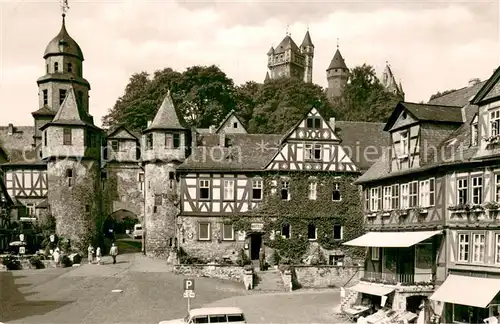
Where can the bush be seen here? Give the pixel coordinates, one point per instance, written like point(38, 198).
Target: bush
point(275, 258)
point(66, 262)
point(36, 261)
point(184, 258)
point(318, 258)
point(11, 262)
point(243, 259)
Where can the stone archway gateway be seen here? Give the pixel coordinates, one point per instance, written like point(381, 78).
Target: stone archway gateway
point(119, 221)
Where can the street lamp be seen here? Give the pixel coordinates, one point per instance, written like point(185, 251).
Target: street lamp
point(179, 228)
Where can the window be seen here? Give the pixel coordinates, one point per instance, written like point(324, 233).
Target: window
point(495, 122)
point(478, 245)
point(285, 231)
point(387, 198)
point(235, 125)
point(336, 192)
point(44, 138)
point(149, 141)
point(404, 196)
point(228, 189)
point(30, 209)
point(338, 232)
point(497, 248)
point(62, 95)
point(87, 208)
point(115, 145)
point(463, 247)
point(312, 190)
point(497, 188)
point(56, 67)
point(395, 196)
point(257, 189)
point(45, 97)
point(432, 192)
point(313, 152)
point(169, 141)
point(285, 195)
point(313, 122)
point(200, 319)
point(69, 176)
point(404, 143)
point(477, 190)
point(468, 314)
point(67, 136)
point(336, 259)
point(70, 67)
point(474, 134)
point(413, 194)
point(158, 200)
point(367, 200)
point(204, 231)
point(375, 199)
point(312, 232)
point(375, 253)
point(462, 191)
point(141, 181)
point(227, 232)
point(204, 189)
point(424, 193)
point(218, 319)
point(235, 318)
point(177, 140)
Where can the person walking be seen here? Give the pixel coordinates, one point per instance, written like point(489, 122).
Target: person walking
point(90, 251)
point(113, 252)
point(98, 255)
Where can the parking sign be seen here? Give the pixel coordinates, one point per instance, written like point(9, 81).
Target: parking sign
point(22, 250)
point(188, 284)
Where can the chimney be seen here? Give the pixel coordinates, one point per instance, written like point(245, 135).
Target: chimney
point(149, 122)
point(194, 137)
point(211, 129)
point(474, 81)
point(11, 129)
point(222, 139)
point(332, 123)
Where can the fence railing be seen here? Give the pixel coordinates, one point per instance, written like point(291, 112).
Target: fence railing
point(405, 278)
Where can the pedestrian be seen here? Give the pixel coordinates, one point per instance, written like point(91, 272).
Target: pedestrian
point(113, 252)
point(98, 255)
point(56, 255)
point(90, 251)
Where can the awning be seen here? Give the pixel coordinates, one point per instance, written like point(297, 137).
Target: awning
point(479, 291)
point(392, 239)
point(372, 289)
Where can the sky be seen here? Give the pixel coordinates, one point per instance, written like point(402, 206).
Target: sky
point(431, 45)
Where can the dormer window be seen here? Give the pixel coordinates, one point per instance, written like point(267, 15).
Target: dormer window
point(169, 141)
point(404, 144)
point(495, 122)
point(67, 136)
point(70, 67)
point(45, 97)
point(56, 67)
point(149, 141)
point(313, 122)
point(115, 145)
point(177, 140)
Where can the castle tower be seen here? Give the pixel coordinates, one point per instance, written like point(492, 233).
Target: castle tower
point(337, 75)
point(389, 82)
point(164, 142)
point(63, 72)
point(286, 60)
point(307, 48)
point(71, 147)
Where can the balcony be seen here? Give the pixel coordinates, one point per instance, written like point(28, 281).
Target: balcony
point(404, 279)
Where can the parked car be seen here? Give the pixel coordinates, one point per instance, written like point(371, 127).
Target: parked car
point(211, 315)
point(137, 232)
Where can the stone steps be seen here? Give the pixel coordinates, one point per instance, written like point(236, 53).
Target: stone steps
point(269, 281)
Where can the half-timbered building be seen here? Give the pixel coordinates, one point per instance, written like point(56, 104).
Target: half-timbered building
point(234, 174)
point(430, 207)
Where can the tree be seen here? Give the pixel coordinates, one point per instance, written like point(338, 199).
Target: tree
point(364, 98)
point(439, 94)
point(281, 103)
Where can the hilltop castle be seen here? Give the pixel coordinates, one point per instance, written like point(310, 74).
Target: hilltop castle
point(290, 60)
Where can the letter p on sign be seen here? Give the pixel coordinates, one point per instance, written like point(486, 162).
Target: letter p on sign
point(188, 284)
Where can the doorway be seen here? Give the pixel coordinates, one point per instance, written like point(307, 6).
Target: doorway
point(255, 243)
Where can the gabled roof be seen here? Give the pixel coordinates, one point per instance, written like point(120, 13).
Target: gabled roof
point(307, 40)
point(71, 113)
point(114, 130)
point(292, 129)
point(166, 116)
point(44, 111)
point(459, 97)
point(286, 44)
point(426, 112)
point(337, 61)
point(229, 115)
point(490, 91)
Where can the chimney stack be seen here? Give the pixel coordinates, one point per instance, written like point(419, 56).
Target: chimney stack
point(332, 123)
point(194, 137)
point(211, 129)
point(474, 81)
point(149, 122)
point(222, 138)
point(11, 129)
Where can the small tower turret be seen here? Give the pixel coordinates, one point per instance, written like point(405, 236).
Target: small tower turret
point(337, 75)
point(165, 142)
point(389, 82)
point(307, 48)
point(286, 60)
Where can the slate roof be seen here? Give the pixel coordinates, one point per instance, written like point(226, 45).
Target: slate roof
point(307, 40)
point(426, 112)
point(44, 111)
point(113, 130)
point(490, 91)
point(337, 61)
point(458, 97)
point(70, 47)
point(166, 116)
point(286, 44)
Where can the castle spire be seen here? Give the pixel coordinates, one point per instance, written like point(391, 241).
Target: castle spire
point(307, 40)
point(337, 43)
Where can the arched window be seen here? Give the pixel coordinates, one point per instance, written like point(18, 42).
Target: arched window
point(56, 67)
point(70, 67)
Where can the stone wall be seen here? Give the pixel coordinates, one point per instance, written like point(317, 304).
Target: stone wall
point(75, 206)
point(327, 276)
point(160, 216)
point(227, 272)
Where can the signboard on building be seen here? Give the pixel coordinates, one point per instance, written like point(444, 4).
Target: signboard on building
point(257, 226)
